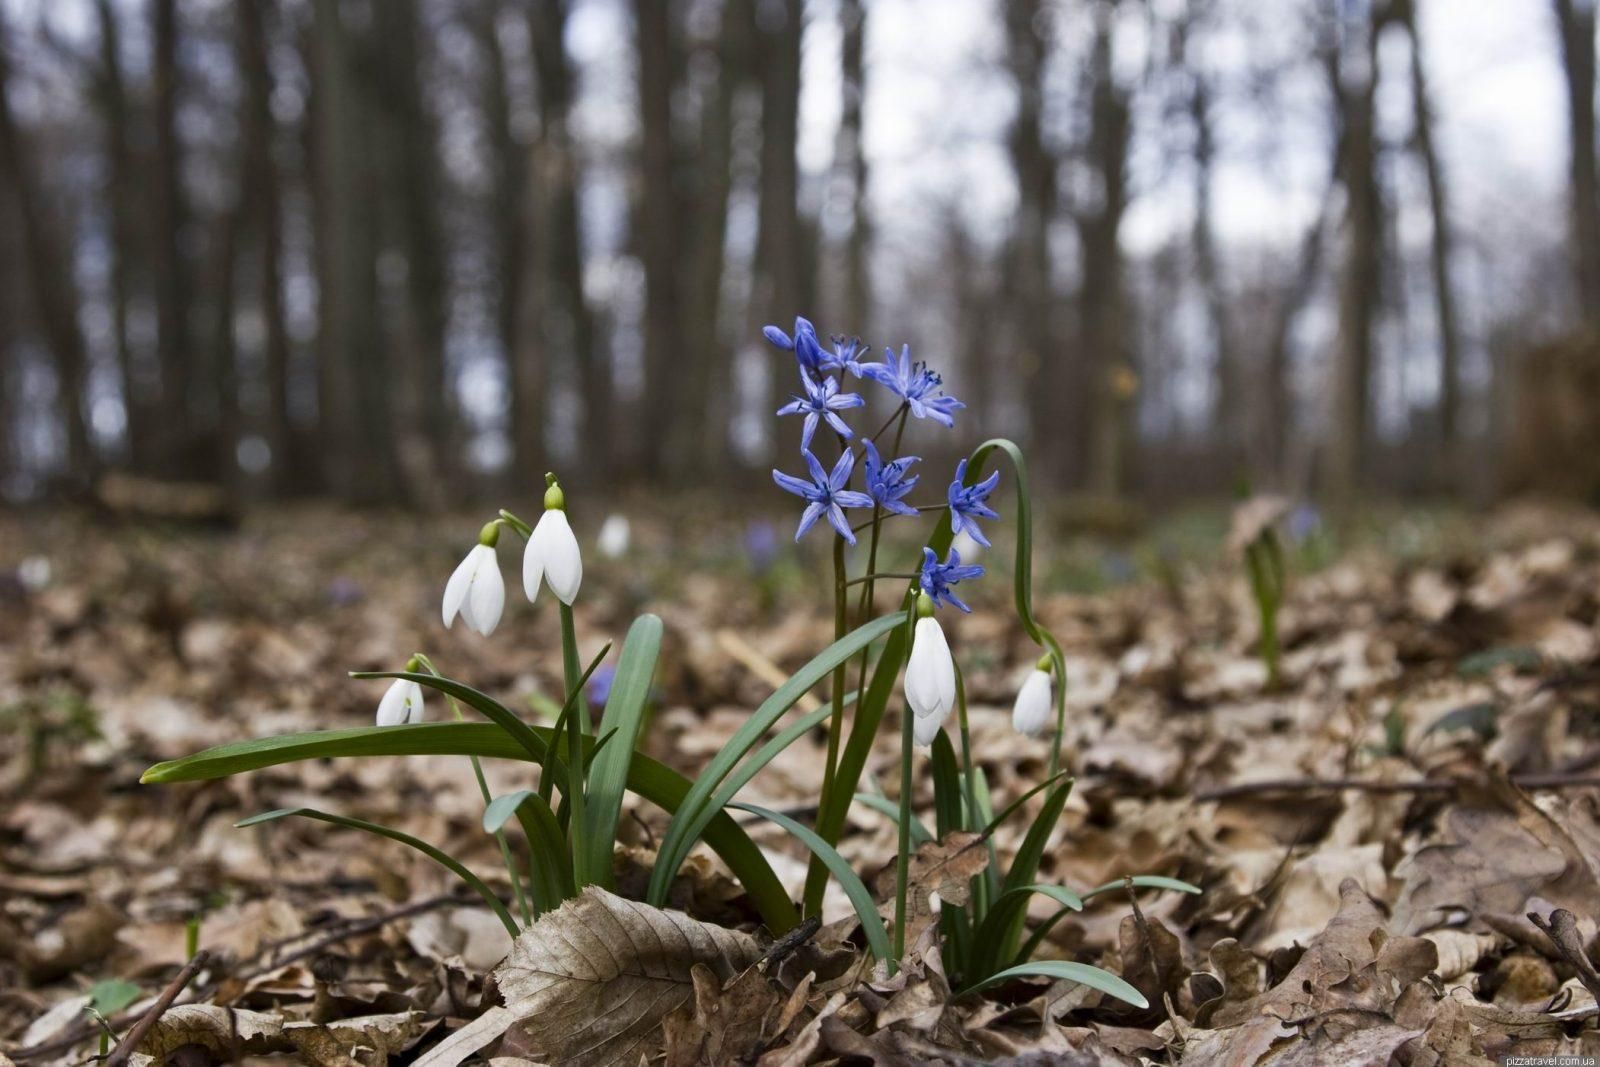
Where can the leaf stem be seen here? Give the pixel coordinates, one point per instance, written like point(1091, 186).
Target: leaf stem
point(577, 771)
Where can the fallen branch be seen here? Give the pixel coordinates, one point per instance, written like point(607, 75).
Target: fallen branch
point(1562, 930)
point(126, 1047)
point(1423, 785)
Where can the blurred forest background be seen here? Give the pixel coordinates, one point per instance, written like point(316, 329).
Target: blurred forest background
point(401, 252)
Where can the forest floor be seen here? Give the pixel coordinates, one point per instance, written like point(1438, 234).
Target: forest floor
point(1371, 835)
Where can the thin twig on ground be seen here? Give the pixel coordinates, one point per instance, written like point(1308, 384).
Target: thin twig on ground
point(130, 1042)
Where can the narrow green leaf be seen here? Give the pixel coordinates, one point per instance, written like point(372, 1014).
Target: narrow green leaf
point(676, 844)
point(1024, 866)
point(1146, 881)
point(623, 717)
point(492, 709)
point(438, 856)
point(854, 888)
point(1011, 909)
point(1011, 808)
point(550, 867)
point(655, 782)
point(946, 786)
point(884, 806)
point(1082, 973)
point(112, 995)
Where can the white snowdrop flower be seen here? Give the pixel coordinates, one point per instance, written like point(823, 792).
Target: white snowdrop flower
point(476, 590)
point(925, 728)
point(614, 537)
point(34, 573)
point(930, 674)
point(401, 704)
point(1033, 712)
point(553, 554)
point(967, 546)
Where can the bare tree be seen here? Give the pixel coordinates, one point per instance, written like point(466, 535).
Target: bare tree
point(1575, 22)
point(47, 245)
point(169, 222)
point(850, 167)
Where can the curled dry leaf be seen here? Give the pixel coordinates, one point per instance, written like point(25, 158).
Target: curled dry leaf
point(594, 978)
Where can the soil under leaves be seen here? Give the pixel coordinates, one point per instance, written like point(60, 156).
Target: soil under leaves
point(1400, 846)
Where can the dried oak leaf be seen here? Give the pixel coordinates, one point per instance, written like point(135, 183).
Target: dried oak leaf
point(591, 981)
point(726, 1022)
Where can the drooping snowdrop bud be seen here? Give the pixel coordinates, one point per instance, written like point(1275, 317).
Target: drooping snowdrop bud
point(930, 674)
point(615, 534)
point(552, 554)
point(1031, 714)
point(476, 590)
point(402, 703)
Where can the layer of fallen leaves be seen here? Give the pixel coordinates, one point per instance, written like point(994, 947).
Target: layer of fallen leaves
point(1400, 846)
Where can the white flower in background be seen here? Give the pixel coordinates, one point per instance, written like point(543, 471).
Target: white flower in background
point(476, 590)
point(614, 537)
point(401, 704)
point(1033, 711)
point(967, 546)
point(34, 573)
point(553, 554)
point(930, 675)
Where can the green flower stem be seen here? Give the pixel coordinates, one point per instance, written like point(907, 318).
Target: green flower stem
point(841, 626)
point(870, 578)
point(985, 883)
point(902, 863)
point(572, 674)
point(488, 798)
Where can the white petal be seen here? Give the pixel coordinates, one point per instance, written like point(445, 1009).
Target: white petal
point(615, 533)
point(455, 590)
point(533, 563)
point(930, 673)
point(563, 563)
point(925, 728)
point(487, 596)
point(392, 709)
point(1031, 714)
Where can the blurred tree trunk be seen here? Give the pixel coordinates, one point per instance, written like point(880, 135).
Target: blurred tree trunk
point(781, 253)
point(568, 320)
point(519, 297)
point(850, 170)
point(47, 252)
point(1575, 21)
point(707, 403)
point(110, 95)
point(353, 409)
point(659, 235)
point(1040, 357)
point(180, 384)
point(263, 198)
point(1355, 85)
point(1442, 252)
point(1101, 307)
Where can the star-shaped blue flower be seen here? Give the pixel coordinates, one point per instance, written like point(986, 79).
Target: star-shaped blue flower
point(804, 344)
point(967, 503)
point(825, 494)
point(822, 401)
point(916, 385)
point(846, 356)
point(887, 483)
point(937, 578)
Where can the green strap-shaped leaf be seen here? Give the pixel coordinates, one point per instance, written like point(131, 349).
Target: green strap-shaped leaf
point(1011, 909)
point(678, 841)
point(624, 717)
point(659, 784)
point(920, 834)
point(550, 867)
point(1142, 881)
point(437, 855)
point(854, 888)
point(947, 814)
point(1082, 973)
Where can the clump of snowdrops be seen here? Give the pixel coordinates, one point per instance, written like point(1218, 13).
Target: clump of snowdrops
point(580, 770)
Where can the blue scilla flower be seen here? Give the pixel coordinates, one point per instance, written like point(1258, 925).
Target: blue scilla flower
point(967, 504)
point(937, 578)
point(916, 385)
point(887, 483)
point(846, 356)
point(804, 344)
point(825, 494)
point(822, 401)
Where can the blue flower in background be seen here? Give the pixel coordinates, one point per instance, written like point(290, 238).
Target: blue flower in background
point(846, 356)
point(916, 385)
point(887, 483)
point(599, 687)
point(822, 401)
point(760, 544)
point(967, 504)
point(804, 344)
point(937, 578)
point(825, 494)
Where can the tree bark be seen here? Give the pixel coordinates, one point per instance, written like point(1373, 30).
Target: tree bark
point(1575, 21)
point(48, 256)
point(850, 169)
point(170, 218)
point(568, 320)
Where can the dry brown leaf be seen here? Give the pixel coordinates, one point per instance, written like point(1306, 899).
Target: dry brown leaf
point(593, 979)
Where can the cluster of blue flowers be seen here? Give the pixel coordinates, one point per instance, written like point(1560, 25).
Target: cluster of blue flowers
point(885, 484)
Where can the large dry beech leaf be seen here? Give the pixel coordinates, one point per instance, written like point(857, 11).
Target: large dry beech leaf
point(592, 980)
